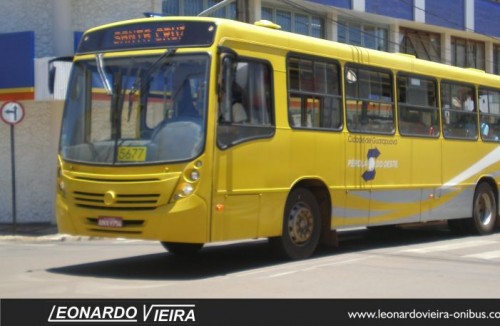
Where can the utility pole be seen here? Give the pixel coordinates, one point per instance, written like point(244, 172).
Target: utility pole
point(242, 10)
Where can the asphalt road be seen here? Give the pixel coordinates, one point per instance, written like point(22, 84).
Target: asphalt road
point(427, 262)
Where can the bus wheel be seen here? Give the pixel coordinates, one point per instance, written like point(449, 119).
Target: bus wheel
point(484, 211)
point(182, 249)
point(301, 226)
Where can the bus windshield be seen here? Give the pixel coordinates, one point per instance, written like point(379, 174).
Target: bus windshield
point(136, 110)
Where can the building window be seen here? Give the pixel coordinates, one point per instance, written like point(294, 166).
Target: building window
point(423, 45)
point(195, 7)
point(363, 34)
point(467, 53)
point(300, 23)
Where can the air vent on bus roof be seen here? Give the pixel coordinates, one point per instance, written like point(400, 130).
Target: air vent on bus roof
point(267, 24)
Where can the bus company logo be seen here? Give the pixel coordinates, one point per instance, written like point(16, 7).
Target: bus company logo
point(371, 163)
point(119, 313)
point(372, 155)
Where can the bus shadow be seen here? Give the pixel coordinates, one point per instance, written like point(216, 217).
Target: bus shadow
point(209, 262)
point(225, 259)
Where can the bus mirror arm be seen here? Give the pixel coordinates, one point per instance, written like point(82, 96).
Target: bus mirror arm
point(227, 58)
point(225, 51)
point(52, 71)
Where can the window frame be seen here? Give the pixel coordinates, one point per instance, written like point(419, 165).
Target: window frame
point(228, 11)
point(311, 20)
point(237, 126)
point(458, 111)
point(479, 63)
point(371, 69)
point(313, 94)
point(350, 24)
point(488, 114)
point(433, 134)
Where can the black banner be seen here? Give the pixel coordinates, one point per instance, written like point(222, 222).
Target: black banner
point(310, 312)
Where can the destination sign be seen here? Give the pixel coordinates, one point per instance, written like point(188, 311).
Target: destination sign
point(153, 34)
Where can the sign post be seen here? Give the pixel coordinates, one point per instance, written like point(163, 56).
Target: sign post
point(12, 113)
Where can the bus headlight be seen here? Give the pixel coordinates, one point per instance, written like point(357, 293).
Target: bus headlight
point(61, 186)
point(184, 190)
point(188, 182)
point(187, 189)
point(194, 175)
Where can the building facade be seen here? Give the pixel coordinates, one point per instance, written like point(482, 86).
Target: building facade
point(463, 33)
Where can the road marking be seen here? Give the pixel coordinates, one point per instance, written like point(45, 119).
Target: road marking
point(451, 246)
point(485, 255)
point(303, 266)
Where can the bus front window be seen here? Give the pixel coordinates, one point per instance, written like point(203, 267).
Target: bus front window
point(136, 110)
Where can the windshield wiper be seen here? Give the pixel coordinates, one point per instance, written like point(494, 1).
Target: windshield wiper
point(135, 87)
point(102, 73)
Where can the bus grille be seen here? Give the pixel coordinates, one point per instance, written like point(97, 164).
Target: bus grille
point(136, 202)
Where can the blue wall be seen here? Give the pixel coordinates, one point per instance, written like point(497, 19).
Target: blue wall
point(77, 36)
point(17, 65)
point(402, 9)
point(447, 13)
point(487, 17)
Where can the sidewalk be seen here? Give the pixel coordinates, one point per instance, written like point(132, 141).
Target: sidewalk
point(36, 232)
point(28, 229)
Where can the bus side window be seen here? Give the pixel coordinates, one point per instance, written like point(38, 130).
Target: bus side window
point(314, 99)
point(418, 108)
point(369, 100)
point(459, 111)
point(247, 112)
point(489, 110)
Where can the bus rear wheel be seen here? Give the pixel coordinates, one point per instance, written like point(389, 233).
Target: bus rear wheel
point(301, 226)
point(484, 211)
point(182, 249)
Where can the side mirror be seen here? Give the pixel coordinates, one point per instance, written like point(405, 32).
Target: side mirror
point(227, 58)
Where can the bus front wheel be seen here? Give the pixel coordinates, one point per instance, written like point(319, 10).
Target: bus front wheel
point(301, 226)
point(484, 211)
point(182, 249)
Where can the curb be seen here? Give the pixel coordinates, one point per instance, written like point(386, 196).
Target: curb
point(45, 238)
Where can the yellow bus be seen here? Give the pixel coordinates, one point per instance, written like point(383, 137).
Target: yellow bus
point(192, 130)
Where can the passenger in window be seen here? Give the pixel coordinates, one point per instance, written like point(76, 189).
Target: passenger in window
point(185, 106)
point(469, 125)
point(485, 130)
point(238, 113)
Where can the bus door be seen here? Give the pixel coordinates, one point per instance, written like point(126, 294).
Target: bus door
point(243, 155)
point(358, 187)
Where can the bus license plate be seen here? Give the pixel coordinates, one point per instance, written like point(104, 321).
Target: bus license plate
point(110, 222)
point(132, 153)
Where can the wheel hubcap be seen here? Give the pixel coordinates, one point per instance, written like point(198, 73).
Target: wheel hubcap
point(484, 209)
point(300, 224)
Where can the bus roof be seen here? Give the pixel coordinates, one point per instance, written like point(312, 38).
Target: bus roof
point(288, 42)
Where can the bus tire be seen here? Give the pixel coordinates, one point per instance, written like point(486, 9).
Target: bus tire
point(182, 249)
point(301, 226)
point(484, 211)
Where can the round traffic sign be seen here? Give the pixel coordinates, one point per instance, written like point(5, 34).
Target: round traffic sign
point(12, 112)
